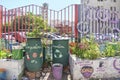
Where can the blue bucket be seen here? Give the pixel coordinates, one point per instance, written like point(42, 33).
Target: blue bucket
point(2, 74)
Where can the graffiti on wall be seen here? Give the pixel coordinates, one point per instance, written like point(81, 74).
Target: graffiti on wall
point(87, 71)
point(116, 64)
point(94, 13)
point(97, 20)
point(101, 67)
point(84, 63)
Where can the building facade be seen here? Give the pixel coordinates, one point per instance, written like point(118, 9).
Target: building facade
point(108, 4)
point(102, 16)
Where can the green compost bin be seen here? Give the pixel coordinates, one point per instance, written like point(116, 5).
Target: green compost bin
point(60, 50)
point(34, 55)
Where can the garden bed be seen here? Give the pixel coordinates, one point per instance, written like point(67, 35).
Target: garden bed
point(13, 68)
point(98, 68)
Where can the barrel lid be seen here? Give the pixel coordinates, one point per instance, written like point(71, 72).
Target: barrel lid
point(62, 38)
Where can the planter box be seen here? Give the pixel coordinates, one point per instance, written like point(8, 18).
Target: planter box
point(99, 68)
point(13, 68)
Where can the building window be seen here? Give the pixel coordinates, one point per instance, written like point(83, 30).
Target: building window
point(100, 0)
point(111, 8)
point(114, 0)
point(114, 8)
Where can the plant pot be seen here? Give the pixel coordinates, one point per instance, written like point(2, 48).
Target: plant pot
point(34, 55)
point(57, 71)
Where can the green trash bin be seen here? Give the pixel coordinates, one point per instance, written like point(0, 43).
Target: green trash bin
point(34, 55)
point(60, 50)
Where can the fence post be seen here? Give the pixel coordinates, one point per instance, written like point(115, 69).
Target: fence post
point(76, 22)
point(1, 11)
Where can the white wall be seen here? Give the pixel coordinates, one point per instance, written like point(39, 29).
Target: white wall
point(105, 3)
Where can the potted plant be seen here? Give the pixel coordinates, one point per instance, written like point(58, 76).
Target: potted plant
point(89, 61)
point(34, 45)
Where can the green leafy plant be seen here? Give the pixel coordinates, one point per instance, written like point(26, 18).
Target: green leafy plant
point(4, 53)
point(86, 49)
point(39, 26)
point(118, 49)
point(48, 61)
point(109, 51)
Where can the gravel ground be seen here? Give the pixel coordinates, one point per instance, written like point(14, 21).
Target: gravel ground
point(46, 74)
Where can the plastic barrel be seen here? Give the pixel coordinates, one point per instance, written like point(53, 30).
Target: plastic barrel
point(60, 50)
point(34, 55)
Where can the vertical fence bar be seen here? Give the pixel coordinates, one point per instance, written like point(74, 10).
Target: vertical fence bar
point(12, 15)
point(64, 16)
point(54, 19)
point(67, 27)
point(76, 21)
point(61, 27)
point(39, 12)
point(1, 11)
point(72, 23)
point(22, 21)
point(5, 20)
point(50, 17)
point(28, 18)
point(32, 18)
point(8, 15)
point(25, 19)
point(15, 21)
point(57, 18)
point(36, 10)
point(36, 14)
point(18, 11)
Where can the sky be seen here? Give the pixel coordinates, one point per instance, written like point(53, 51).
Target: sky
point(53, 4)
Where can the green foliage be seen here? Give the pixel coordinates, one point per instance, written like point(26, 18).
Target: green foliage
point(4, 53)
point(109, 50)
point(86, 49)
point(118, 49)
point(40, 26)
point(22, 22)
point(89, 49)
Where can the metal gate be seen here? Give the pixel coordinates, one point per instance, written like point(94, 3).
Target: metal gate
point(14, 20)
point(89, 19)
